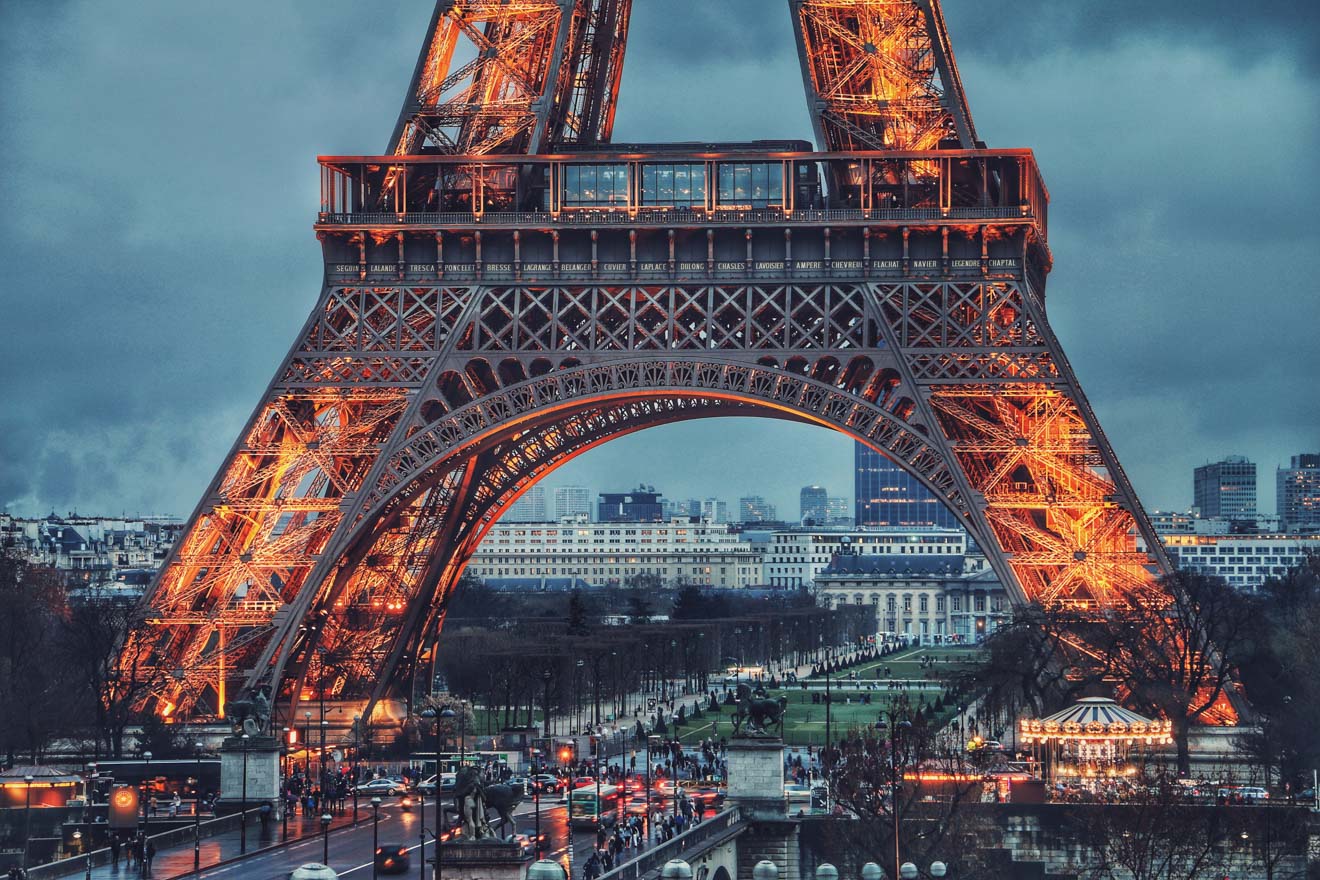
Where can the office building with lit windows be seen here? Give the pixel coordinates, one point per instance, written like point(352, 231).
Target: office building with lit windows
point(887, 496)
point(1225, 489)
point(1299, 494)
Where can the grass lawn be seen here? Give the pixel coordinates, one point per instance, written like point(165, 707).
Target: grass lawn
point(805, 723)
point(907, 664)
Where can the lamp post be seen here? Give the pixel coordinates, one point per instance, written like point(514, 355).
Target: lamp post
point(577, 696)
point(353, 767)
point(242, 810)
point(828, 703)
point(325, 839)
point(197, 813)
point(536, 795)
point(325, 789)
point(307, 746)
point(896, 786)
point(284, 755)
point(545, 680)
point(146, 803)
point(375, 835)
point(648, 788)
point(87, 854)
point(430, 715)
point(447, 713)
point(27, 816)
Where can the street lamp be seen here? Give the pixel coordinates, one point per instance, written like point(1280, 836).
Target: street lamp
point(375, 835)
point(545, 680)
point(87, 853)
point(353, 767)
point(647, 822)
point(27, 816)
point(325, 839)
point(536, 795)
point(325, 792)
point(146, 815)
point(430, 715)
point(197, 813)
point(307, 746)
point(577, 696)
point(899, 728)
point(284, 755)
point(243, 802)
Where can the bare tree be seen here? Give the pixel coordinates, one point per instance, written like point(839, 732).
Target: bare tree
point(1178, 658)
point(905, 778)
point(33, 680)
point(110, 678)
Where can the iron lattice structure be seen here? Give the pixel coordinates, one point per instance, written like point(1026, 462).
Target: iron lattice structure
point(504, 292)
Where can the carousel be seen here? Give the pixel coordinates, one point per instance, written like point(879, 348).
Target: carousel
point(1093, 744)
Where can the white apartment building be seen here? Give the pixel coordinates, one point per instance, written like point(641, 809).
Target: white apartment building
point(572, 501)
point(530, 507)
point(795, 558)
point(678, 552)
point(1245, 561)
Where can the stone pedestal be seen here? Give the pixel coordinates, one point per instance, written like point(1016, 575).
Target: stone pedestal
point(483, 860)
point(756, 787)
point(756, 776)
point(263, 775)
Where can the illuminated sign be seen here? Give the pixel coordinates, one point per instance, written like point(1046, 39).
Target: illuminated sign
point(123, 807)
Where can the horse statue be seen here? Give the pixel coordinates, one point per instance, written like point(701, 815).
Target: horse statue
point(250, 716)
point(470, 804)
point(503, 799)
point(473, 799)
point(755, 712)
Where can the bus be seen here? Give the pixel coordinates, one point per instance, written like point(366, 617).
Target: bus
point(587, 810)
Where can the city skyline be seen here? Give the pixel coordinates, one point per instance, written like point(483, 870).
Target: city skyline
point(117, 400)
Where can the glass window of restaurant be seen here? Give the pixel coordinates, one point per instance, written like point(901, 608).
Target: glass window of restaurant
point(751, 184)
point(680, 185)
point(595, 186)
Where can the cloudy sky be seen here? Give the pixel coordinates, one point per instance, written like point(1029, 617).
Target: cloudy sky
point(159, 184)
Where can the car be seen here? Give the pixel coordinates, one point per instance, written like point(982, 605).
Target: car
point(548, 783)
point(798, 792)
point(583, 781)
point(521, 784)
point(379, 786)
point(392, 858)
point(447, 783)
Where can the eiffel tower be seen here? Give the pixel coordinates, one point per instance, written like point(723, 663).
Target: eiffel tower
point(506, 289)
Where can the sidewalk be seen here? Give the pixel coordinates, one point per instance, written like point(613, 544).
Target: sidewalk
point(177, 860)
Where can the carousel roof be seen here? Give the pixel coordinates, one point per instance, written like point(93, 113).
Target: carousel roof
point(1096, 718)
point(1101, 709)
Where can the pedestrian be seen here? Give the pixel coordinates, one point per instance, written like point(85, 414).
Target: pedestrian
point(114, 851)
point(149, 851)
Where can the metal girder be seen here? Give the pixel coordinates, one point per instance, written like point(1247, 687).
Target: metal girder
point(880, 75)
point(515, 76)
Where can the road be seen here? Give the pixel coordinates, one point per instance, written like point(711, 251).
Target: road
point(351, 848)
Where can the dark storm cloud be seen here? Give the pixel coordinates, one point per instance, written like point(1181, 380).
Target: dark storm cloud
point(159, 182)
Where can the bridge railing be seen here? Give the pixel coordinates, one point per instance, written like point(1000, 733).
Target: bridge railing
point(696, 838)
